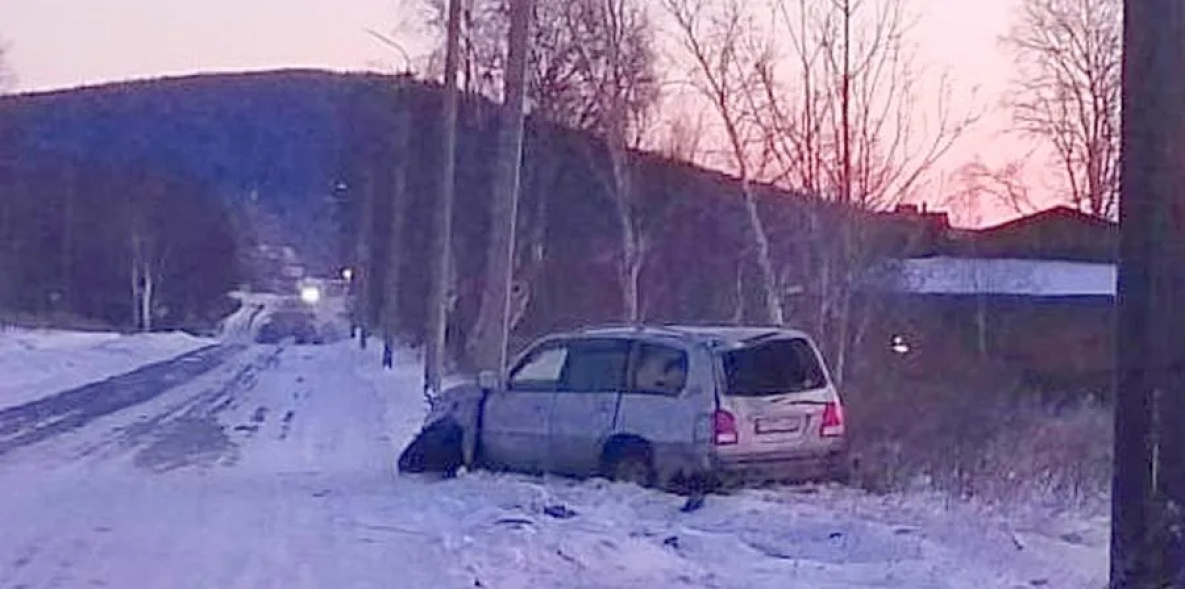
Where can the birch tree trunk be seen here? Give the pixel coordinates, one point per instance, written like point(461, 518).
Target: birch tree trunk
point(147, 291)
point(774, 311)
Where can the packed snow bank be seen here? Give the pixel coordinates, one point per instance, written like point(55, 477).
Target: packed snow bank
point(38, 363)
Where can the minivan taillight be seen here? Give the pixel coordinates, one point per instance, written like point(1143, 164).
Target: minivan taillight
point(832, 425)
point(724, 428)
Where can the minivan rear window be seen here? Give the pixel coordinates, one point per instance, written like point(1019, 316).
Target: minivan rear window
point(772, 368)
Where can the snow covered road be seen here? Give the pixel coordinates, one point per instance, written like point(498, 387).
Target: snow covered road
point(258, 466)
point(72, 409)
point(37, 363)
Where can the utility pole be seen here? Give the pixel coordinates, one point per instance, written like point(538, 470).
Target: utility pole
point(438, 301)
point(491, 335)
point(1148, 490)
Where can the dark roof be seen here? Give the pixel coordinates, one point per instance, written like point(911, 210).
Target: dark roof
point(1059, 233)
point(1056, 214)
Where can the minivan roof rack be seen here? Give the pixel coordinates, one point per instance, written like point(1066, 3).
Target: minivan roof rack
point(743, 335)
point(762, 337)
point(636, 327)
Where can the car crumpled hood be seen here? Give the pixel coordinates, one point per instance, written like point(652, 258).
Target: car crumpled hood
point(459, 401)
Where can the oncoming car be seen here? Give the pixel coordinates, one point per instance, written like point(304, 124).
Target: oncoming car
point(658, 406)
point(296, 324)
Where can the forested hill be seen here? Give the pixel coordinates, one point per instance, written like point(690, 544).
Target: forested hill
point(277, 134)
point(309, 149)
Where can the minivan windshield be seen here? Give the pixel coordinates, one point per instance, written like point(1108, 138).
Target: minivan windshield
point(772, 368)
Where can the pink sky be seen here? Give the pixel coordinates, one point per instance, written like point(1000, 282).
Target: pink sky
point(63, 43)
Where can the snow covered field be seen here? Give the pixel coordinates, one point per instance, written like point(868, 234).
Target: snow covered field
point(274, 469)
point(38, 363)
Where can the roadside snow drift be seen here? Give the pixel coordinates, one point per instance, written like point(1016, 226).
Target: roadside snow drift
point(38, 363)
point(275, 469)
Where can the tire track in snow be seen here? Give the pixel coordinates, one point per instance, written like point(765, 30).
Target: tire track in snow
point(70, 410)
point(191, 433)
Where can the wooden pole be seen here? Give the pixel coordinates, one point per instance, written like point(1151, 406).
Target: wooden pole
point(492, 332)
point(1148, 489)
point(438, 302)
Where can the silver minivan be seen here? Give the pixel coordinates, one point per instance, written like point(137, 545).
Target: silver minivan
point(671, 406)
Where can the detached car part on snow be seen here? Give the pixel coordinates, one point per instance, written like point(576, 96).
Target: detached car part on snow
point(675, 407)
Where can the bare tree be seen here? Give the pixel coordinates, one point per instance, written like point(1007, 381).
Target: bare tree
point(845, 113)
point(615, 64)
point(981, 189)
point(146, 252)
point(591, 66)
point(364, 263)
point(683, 138)
point(6, 76)
point(399, 195)
point(7, 283)
point(726, 61)
point(1068, 56)
point(823, 99)
point(555, 90)
point(861, 135)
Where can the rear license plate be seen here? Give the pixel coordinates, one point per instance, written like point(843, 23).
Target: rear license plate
point(779, 425)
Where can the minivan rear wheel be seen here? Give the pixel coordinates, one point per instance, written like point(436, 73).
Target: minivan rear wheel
point(632, 466)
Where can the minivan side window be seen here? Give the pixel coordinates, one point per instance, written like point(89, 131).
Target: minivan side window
point(541, 370)
point(773, 368)
point(596, 365)
point(659, 369)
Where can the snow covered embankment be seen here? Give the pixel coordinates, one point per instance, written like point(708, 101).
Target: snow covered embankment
point(307, 498)
point(38, 363)
point(506, 530)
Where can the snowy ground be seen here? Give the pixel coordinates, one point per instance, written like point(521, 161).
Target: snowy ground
point(258, 466)
point(37, 363)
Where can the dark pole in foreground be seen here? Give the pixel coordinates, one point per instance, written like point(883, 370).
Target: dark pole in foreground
point(1149, 470)
point(438, 301)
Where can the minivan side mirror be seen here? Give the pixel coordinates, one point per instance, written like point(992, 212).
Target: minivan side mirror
point(488, 380)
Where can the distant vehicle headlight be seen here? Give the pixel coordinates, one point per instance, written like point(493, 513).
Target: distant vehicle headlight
point(310, 294)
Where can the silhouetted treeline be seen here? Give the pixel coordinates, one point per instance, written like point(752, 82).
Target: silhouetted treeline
point(272, 135)
point(698, 267)
point(312, 149)
point(70, 229)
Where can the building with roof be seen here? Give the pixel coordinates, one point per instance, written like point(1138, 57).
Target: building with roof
point(1034, 296)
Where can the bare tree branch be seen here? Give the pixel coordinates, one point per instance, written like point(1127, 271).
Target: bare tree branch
point(980, 187)
point(6, 76)
point(591, 67)
point(824, 99)
point(728, 64)
point(615, 61)
point(1068, 56)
